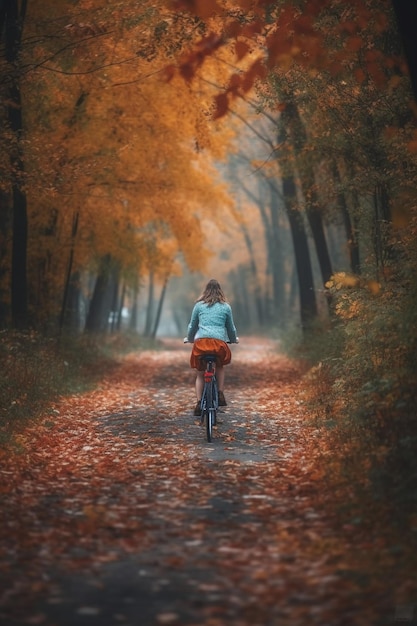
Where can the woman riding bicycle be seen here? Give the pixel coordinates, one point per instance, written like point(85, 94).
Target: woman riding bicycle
point(210, 328)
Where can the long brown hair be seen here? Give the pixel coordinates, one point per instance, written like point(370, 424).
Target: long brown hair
point(212, 293)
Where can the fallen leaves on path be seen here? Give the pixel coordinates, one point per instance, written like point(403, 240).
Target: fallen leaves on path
point(116, 507)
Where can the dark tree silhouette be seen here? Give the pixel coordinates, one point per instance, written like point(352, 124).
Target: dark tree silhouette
point(406, 13)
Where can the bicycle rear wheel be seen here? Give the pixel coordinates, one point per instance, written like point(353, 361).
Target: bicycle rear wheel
point(215, 401)
point(209, 413)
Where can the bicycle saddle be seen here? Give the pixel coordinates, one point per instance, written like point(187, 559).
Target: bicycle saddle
point(208, 357)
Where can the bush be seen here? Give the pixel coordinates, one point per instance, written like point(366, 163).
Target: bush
point(367, 393)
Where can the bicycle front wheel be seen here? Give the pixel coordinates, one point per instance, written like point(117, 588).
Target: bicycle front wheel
point(210, 422)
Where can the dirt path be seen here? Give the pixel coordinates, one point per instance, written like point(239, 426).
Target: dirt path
point(119, 511)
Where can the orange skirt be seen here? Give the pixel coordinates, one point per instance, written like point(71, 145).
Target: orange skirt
point(213, 346)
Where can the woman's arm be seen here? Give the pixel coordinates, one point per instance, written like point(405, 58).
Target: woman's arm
point(230, 326)
point(193, 324)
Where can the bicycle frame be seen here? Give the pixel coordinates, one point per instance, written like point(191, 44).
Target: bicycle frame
point(210, 397)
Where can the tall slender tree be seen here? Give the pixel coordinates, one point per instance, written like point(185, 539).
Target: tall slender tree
point(12, 18)
point(298, 136)
point(308, 304)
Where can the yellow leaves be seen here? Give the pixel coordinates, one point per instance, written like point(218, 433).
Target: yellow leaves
point(346, 288)
point(374, 287)
point(348, 310)
point(341, 280)
point(126, 156)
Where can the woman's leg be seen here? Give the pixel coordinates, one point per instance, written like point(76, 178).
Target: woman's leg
point(220, 385)
point(220, 377)
point(199, 385)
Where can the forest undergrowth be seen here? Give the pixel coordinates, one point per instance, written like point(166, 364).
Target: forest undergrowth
point(362, 386)
point(38, 369)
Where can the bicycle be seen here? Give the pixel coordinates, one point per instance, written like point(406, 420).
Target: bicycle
point(210, 397)
point(209, 402)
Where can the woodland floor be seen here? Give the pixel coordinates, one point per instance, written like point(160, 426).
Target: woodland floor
point(116, 510)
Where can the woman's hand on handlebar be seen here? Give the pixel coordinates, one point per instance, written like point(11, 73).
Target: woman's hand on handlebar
point(185, 340)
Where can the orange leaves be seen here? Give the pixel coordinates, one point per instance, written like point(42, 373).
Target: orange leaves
point(169, 72)
point(221, 105)
point(347, 305)
point(374, 287)
point(190, 63)
point(341, 280)
point(127, 182)
point(354, 44)
point(241, 49)
point(255, 71)
point(80, 29)
point(360, 75)
point(202, 8)
point(321, 36)
point(140, 480)
point(239, 84)
point(249, 30)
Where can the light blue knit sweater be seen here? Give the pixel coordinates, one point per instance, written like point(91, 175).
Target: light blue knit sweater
point(215, 321)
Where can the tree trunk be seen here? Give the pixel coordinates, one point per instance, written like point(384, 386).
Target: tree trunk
point(133, 321)
point(149, 308)
point(382, 221)
point(239, 310)
point(159, 309)
point(72, 318)
point(308, 305)
point(120, 308)
point(254, 275)
point(5, 222)
point(261, 203)
point(114, 306)
point(278, 281)
point(291, 117)
point(12, 19)
point(406, 13)
point(100, 305)
point(69, 271)
point(353, 245)
point(19, 223)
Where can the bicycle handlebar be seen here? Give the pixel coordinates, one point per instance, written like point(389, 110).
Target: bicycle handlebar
point(185, 340)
